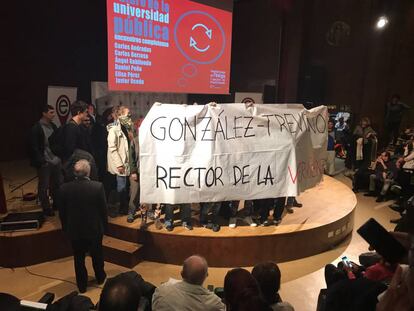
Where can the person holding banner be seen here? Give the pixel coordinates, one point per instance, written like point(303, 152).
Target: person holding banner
point(245, 213)
point(185, 211)
point(264, 206)
point(122, 160)
point(205, 207)
point(292, 202)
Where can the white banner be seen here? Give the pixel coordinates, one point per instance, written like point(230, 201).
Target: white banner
point(61, 97)
point(244, 98)
point(230, 152)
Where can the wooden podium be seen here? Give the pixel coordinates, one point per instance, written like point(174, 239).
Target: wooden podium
point(3, 206)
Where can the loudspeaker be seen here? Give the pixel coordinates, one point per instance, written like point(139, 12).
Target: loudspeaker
point(313, 85)
point(22, 221)
point(269, 94)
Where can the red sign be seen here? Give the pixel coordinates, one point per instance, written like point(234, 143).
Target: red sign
point(168, 46)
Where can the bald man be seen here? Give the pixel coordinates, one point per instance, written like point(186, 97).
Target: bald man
point(82, 212)
point(188, 294)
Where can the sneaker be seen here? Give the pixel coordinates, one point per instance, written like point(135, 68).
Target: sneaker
point(168, 225)
point(130, 218)
point(265, 223)
point(289, 209)
point(249, 221)
point(233, 223)
point(207, 225)
point(297, 204)
point(216, 228)
point(187, 225)
point(158, 224)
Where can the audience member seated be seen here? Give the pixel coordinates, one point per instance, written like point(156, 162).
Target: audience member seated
point(188, 294)
point(348, 289)
point(268, 277)
point(132, 284)
point(242, 293)
point(385, 172)
point(120, 293)
point(353, 294)
point(72, 302)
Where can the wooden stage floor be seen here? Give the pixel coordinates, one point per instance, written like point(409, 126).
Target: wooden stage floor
point(325, 220)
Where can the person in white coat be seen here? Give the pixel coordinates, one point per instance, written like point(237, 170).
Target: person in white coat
point(121, 161)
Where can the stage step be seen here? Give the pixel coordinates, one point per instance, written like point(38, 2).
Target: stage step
point(123, 253)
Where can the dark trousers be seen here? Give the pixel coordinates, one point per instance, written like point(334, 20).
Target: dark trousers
point(80, 248)
point(264, 206)
point(123, 186)
point(204, 210)
point(245, 212)
point(50, 178)
point(404, 180)
point(185, 212)
point(393, 130)
point(134, 196)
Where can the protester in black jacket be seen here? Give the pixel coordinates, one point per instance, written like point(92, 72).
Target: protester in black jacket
point(48, 165)
point(73, 136)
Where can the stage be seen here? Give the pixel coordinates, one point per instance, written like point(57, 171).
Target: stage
point(326, 219)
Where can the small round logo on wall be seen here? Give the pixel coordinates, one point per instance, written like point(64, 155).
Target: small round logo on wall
point(63, 108)
point(247, 100)
point(338, 34)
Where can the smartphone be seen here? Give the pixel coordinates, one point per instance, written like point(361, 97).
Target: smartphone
point(382, 241)
point(347, 262)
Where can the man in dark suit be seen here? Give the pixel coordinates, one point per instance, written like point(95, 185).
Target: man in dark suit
point(83, 214)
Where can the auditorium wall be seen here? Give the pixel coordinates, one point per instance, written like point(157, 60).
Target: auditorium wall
point(363, 68)
point(275, 42)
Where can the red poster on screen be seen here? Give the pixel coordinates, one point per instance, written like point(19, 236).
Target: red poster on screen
point(177, 46)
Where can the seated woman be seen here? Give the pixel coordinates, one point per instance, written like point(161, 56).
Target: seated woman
point(242, 293)
point(384, 174)
point(268, 276)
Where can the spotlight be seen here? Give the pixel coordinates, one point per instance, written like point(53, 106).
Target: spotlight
point(382, 22)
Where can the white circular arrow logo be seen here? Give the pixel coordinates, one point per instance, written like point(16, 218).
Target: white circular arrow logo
point(193, 42)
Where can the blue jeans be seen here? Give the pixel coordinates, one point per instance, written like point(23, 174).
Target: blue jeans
point(122, 187)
